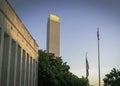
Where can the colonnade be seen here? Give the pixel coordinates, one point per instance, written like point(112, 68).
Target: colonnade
point(17, 67)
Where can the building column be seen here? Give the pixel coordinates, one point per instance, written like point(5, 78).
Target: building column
point(11, 64)
point(36, 63)
point(18, 66)
point(15, 69)
point(25, 70)
point(20, 84)
point(35, 73)
point(1, 50)
point(6, 59)
point(29, 72)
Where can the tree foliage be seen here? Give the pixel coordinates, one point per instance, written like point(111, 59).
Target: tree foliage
point(52, 71)
point(113, 78)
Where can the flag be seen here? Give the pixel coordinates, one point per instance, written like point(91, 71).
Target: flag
point(98, 34)
point(87, 68)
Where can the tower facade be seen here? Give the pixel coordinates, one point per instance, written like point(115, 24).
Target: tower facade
point(53, 35)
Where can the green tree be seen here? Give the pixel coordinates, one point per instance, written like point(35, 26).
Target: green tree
point(52, 71)
point(113, 78)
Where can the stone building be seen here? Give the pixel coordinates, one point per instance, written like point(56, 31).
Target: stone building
point(18, 50)
point(53, 35)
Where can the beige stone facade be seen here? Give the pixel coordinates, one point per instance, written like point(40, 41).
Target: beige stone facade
point(18, 50)
point(53, 35)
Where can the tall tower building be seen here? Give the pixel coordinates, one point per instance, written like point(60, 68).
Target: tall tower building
point(53, 35)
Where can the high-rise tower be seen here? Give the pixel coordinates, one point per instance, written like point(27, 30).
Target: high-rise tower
point(53, 35)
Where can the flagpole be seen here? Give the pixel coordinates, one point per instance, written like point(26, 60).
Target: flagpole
point(98, 55)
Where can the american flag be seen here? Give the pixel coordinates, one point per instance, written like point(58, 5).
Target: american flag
point(87, 68)
point(98, 34)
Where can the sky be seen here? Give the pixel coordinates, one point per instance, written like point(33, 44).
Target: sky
point(79, 20)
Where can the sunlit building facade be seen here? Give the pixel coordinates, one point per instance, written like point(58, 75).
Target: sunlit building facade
point(53, 35)
point(18, 50)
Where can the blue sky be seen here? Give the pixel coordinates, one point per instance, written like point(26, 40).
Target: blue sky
point(79, 20)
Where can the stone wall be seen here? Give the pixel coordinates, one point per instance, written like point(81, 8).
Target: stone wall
point(18, 50)
point(13, 25)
